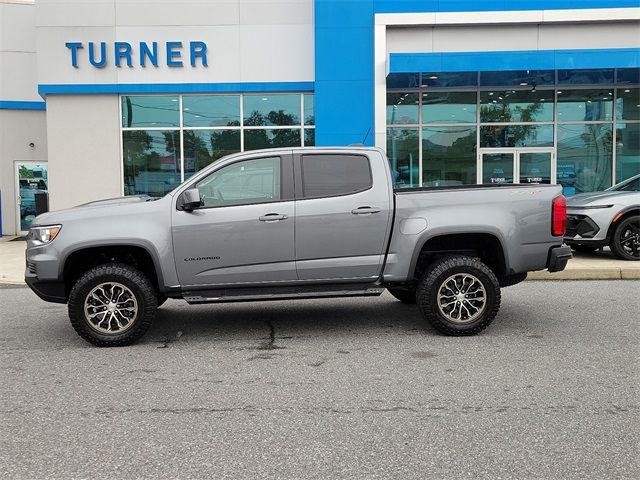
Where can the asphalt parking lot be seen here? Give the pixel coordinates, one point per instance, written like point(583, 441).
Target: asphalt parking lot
point(347, 388)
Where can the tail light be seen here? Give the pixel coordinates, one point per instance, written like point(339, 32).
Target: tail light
point(559, 216)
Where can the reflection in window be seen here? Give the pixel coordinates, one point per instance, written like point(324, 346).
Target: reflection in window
point(497, 136)
point(627, 150)
point(584, 157)
point(211, 110)
point(450, 79)
point(309, 111)
point(585, 77)
point(517, 78)
point(403, 80)
point(585, 105)
point(309, 137)
point(271, 109)
point(628, 104)
point(150, 111)
point(448, 156)
point(449, 107)
point(516, 106)
point(271, 138)
point(402, 150)
point(202, 147)
point(241, 183)
point(151, 161)
point(402, 108)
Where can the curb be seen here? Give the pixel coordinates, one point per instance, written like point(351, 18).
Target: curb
point(588, 274)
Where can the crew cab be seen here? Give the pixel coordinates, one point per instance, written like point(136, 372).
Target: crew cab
point(292, 224)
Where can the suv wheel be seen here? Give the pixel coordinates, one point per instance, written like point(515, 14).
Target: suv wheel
point(625, 242)
point(459, 296)
point(407, 296)
point(112, 305)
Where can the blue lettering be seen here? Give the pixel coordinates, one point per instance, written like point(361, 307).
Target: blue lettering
point(74, 47)
point(103, 55)
point(123, 49)
point(173, 53)
point(145, 53)
point(198, 50)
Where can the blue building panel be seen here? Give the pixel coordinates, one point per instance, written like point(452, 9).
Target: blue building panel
point(344, 48)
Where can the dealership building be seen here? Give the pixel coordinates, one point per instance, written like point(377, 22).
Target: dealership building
point(119, 97)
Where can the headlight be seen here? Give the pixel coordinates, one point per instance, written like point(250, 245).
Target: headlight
point(44, 235)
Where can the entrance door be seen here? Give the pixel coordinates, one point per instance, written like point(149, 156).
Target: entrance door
point(32, 187)
point(517, 165)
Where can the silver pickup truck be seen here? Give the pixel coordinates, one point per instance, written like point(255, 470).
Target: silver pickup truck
point(291, 224)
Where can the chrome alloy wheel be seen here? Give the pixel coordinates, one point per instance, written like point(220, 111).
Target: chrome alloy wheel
point(110, 308)
point(462, 298)
point(630, 240)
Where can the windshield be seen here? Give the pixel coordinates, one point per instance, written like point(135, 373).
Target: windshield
point(630, 185)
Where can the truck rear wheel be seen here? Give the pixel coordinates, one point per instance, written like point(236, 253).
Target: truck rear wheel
point(112, 305)
point(459, 296)
point(405, 296)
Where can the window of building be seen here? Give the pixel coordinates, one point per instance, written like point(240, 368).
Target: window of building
point(168, 138)
point(590, 118)
point(449, 156)
point(516, 106)
point(333, 175)
point(585, 105)
point(152, 163)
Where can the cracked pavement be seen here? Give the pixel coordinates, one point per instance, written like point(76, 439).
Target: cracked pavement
point(337, 388)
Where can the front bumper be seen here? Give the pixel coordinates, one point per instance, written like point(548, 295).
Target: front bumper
point(47, 291)
point(558, 258)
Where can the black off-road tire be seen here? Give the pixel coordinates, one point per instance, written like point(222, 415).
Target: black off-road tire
point(584, 248)
point(145, 295)
point(407, 296)
point(616, 238)
point(437, 273)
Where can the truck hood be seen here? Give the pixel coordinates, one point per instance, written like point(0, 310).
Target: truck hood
point(111, 207)
point(118, 200)
point(596, 198)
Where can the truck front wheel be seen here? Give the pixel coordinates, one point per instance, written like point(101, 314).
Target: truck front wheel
point(112, 305)
point(459, 296)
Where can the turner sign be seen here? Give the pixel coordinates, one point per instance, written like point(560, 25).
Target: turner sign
point(171, 54)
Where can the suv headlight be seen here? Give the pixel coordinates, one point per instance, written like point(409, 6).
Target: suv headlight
point(43, 235)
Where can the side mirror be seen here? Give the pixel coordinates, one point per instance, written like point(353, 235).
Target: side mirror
point(191, 200)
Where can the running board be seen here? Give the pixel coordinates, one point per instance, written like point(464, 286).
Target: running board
point(224, 295)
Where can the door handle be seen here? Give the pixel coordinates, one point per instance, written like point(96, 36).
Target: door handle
point(272, 217)
point(365, 210)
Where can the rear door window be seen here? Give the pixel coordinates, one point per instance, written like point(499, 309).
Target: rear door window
point(334, 175)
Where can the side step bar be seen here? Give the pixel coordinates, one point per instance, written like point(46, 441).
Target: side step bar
point(224, 295)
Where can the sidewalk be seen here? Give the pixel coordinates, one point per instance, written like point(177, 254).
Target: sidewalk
point(597, 266)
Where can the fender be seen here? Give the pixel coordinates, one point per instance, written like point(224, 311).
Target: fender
point(140, 243)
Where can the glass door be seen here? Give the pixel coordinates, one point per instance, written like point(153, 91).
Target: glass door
point(536, 166)
point(517, 165)
point(497, 166)
point(32, 188)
